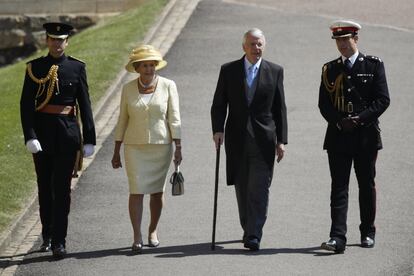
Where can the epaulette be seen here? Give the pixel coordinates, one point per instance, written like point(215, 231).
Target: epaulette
point(373, 58)
point(73, 58)
point(335, 61)
point(331, 63)
point(34, 60)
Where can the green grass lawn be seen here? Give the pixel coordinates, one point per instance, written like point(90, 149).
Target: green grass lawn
point(105, 49)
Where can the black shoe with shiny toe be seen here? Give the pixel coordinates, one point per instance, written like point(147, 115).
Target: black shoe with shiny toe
point(46, 245)
point(252, 243)
point(367, 242)
point(137, 247)
point(334, 245)
point(59, 252)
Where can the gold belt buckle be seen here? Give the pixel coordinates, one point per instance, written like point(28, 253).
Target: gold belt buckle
point(350, 107)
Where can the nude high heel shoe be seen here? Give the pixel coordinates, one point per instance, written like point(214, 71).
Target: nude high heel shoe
point(153, 242)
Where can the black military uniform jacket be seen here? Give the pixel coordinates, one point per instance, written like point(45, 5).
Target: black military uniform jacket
point(58, 133)
point(362, 92)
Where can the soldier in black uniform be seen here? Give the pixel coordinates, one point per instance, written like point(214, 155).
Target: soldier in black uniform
point(55, 91)
point(352, 95)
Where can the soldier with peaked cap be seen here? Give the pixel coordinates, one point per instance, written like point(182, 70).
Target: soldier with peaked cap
point(55, 91)
point(352, 96)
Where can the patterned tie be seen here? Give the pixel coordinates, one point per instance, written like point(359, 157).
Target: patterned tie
point(348, 64)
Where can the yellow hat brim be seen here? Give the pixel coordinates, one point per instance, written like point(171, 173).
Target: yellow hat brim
point(130, 66)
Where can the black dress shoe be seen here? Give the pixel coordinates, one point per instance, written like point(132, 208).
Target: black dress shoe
point(59, 252)
point(46, 245)
point(252, 243)
point(367, 242)
point(334, 245)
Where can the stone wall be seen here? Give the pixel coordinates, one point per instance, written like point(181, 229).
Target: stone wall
point(21, 31)
point(12, 7)
point(21, 35)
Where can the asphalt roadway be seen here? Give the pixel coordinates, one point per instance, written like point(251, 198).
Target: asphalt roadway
point(99, 237)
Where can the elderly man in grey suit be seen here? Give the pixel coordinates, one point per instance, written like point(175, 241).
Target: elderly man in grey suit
point(249, 107)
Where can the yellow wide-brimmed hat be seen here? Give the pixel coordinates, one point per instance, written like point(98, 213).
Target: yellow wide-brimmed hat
point(145, 53)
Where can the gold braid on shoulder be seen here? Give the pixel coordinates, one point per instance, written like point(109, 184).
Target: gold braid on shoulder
point(335, 90)
point(52, 76)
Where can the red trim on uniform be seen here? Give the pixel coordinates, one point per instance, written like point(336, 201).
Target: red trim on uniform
point(341, 29)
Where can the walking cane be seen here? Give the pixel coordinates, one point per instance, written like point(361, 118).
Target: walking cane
point(213, 242)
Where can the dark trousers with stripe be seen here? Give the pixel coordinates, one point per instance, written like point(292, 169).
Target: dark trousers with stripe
point(54, 175)
point(252, 190)
point(340, 166)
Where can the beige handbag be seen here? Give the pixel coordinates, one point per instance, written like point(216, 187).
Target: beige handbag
point(177, 181)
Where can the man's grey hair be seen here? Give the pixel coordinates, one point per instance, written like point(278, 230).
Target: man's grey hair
point(255, 32)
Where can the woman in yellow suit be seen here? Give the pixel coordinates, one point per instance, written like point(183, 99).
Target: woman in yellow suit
point(149, 121)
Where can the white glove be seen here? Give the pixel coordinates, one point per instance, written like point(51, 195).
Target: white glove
point(33, 146)
point(88, 150)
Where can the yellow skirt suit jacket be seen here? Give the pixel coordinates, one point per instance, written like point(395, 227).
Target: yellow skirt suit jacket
point(147, 131)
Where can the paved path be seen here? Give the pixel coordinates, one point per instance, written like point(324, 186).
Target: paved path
point(99, 232)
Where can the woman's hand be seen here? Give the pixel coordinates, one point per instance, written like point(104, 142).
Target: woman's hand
point(116, 158)
point(116, 161)
point(177, 156)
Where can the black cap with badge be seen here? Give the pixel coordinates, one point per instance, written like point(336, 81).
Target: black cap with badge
point(344, 28)
point(57, 29)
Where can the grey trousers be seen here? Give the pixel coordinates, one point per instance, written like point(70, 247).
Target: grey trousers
point(252, 190)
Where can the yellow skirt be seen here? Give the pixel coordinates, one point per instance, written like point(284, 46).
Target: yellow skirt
point(147, 166)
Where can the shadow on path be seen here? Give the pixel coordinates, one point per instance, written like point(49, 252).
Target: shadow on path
point(205, 249)
point(178, 251)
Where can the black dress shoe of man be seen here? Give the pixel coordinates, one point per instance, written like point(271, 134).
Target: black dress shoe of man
point(46, 245)
point(252, 243)
point(334, 245)
point(367, 242)
point(59, 252)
